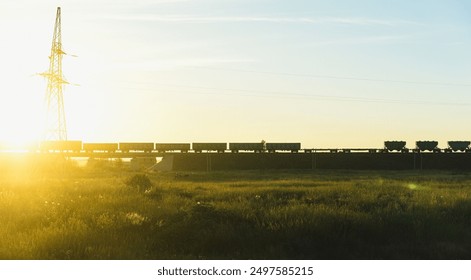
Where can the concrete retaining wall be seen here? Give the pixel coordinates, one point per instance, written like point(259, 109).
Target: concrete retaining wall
point(389, 161)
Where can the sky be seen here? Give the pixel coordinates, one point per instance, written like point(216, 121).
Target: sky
point(327, 74)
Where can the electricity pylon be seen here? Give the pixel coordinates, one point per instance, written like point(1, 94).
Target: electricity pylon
point(55, 128)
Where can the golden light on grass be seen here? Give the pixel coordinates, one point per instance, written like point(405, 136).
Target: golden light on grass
point(85, 214)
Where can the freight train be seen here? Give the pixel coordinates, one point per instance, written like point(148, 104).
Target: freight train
point(260, 147)
point(145, 147)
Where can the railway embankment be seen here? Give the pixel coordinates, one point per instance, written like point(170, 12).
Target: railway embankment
point(355, 161)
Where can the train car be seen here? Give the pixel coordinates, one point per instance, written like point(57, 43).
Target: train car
point(292, 147)
point(455, 146)
point(219, 147)
point(100, 147)
point(170, 147)
point(255, 147)
point(136, 147)
point(60, 146)
point(427, 146)
point(391, 146)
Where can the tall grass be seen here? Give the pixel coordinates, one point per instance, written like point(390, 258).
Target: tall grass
point(90, 213)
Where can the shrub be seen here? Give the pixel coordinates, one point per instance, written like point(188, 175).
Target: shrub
point(139, 181)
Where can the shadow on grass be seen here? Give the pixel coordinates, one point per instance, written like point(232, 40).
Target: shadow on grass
point(205, 232)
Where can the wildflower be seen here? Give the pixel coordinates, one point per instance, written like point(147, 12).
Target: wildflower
point(135, 218)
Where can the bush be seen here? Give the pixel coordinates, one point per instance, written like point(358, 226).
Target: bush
point(139, 181)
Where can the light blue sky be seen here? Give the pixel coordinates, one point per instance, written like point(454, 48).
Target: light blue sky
point(324, 73)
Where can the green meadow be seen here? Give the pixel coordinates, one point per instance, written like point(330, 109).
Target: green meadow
point(61, 211)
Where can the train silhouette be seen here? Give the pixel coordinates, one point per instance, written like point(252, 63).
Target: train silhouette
point(260, 147)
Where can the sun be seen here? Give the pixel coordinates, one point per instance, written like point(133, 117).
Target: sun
point(21, 113)
point(18, 136)
point(21, 96)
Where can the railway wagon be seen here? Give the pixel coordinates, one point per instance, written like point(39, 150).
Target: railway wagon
point(60, 146)
point(427, 146)
point(454, 146)
point(100, 147)
point(168, 147)
point(219, 147)
point(292, 147)
point(255, 147)
point(400, 146)
point(136, 147)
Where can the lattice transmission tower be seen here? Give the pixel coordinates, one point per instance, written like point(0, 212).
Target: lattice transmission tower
point(55, 128)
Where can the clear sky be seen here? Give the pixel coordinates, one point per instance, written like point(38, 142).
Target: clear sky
point(324, 73)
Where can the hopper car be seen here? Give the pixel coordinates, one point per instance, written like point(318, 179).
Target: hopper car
point(292, 147)
point(399, 146)
point(431, 146)
point(462, 146)
point(100, 147)
point(219, 147)
point(171, 147)
point(253, 147)
point(136, 147)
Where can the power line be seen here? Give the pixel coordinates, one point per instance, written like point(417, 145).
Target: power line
point(266, 94)
point(336, 77)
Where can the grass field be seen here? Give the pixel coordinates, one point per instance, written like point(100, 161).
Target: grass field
point(61, 211)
